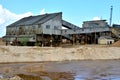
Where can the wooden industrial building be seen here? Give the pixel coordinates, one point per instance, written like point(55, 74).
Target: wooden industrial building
point(35, 30)
point(105, 40)
point(46, 30)
point(41, 30)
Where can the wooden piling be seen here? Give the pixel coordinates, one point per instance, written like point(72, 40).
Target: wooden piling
point(95, 38)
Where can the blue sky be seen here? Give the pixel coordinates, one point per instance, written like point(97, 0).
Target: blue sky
point(74, 11)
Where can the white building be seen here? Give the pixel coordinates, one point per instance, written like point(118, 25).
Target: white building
point(105, 40)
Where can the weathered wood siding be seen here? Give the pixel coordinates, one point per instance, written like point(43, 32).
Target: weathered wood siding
point(96, 23)
point(55, 26)
point(24, 30)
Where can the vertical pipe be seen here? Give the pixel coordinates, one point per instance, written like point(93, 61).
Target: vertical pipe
point(111, 10)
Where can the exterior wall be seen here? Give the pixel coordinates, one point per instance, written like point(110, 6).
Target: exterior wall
point(11, 30)
point(21, 32)
point(98, 23)
point(24, 30)
point(105, 41)
point(32, 30)
point(28, 38)
point(55, 26)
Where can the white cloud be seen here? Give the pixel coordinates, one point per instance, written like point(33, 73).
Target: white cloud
point(7, 17)
point(1, 21)
point(96, 18)
point(42, 11)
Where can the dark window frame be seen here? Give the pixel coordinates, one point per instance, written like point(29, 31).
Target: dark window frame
point(47, 26)
point(56, 27)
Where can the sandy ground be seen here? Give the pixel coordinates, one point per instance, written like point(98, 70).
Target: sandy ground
point(31, 54)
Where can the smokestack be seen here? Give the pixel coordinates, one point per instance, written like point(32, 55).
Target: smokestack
point(111, 12)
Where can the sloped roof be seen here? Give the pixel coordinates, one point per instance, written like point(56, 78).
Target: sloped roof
point(69, 25)
point(34, 19)
point(95, 21)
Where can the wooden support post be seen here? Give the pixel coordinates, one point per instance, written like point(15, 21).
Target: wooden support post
point(91, 38)
point(110, 33)
point(51, 40)
point(42, 40)
point(73, 39)
point(85, 38)
point(61, 39)
point(95, 38)
point(100, 34)
point(36, 40)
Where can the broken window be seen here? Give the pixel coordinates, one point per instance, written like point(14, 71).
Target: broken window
point(47, 26)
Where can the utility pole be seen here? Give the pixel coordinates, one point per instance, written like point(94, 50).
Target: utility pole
point(111, 12)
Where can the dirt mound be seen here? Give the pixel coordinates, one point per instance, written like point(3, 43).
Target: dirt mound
point(31, 54)
point(116, 44)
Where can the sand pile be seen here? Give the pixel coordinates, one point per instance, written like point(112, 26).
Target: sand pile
point(30, 54)
point(116, 44)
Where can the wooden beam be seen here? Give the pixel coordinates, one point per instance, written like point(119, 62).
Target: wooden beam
point(51, 40)
point(60, 40)
point(42, 40)
point(95, 38)
point(85, 38)
point(73, 39)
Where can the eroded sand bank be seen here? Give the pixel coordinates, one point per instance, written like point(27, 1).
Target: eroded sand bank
point(30, 54)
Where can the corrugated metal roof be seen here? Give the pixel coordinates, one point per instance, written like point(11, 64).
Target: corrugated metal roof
point(34, 19)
